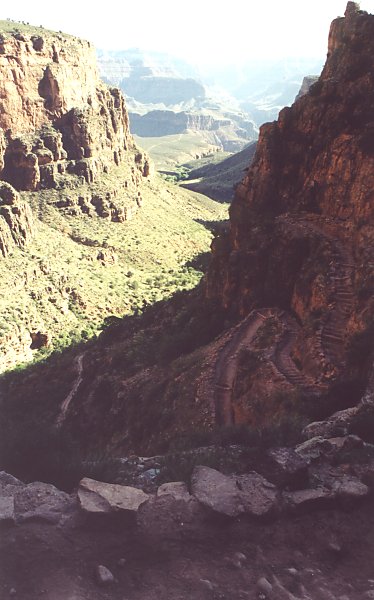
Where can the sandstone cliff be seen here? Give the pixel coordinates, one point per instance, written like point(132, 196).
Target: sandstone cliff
point(56, 115)
point(71, 181)
point(16, 220)
point(301, 223)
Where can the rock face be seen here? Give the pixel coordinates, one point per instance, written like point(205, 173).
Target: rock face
point(307, 83)
point(56, 115)
point(16, 220)
point(168, 122)
point(301, 223)
point(230, 133)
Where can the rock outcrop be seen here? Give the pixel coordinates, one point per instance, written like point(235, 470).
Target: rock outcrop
point(301, 224)
point(307, 83)
point(16, 220)
point(57, 117)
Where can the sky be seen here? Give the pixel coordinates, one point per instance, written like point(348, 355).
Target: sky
point(200, 31)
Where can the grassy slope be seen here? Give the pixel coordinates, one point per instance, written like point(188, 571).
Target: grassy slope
point(58, 285)
point(168, 151)
point(9, 26)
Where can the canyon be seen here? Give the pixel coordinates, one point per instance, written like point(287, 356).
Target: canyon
point(216, 442)
point(72, 181)
point(298, 250)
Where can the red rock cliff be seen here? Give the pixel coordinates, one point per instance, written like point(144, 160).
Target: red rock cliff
point(318, 158)
point(301, 224)
point(55, 113)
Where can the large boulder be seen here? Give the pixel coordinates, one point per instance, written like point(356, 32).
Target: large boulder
point(259, 496)
point(96, 497)
point(217, 491)
point(234, 495)
point(42, 502)
point(35, 501)
point(288, 468)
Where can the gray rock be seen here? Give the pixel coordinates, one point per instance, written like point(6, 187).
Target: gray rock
point(104, 498)
point(217, 491)
point(342, 486)
point(259, 496)
point(104, 576)
point(307, 499)
point(41, 501)
point(350, 488)
point(334, 548)
point(337, 424)
point(7, 479)
point(263, 585)
point(290, 468)
point(369, 595)
point(7, 514)
point(313, 448)
point(177, 489)
point(240, 556)
point(233, 495)
point(318, 447)
point(237, 560)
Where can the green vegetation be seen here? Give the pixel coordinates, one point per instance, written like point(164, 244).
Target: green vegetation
point(21, 27)
point(169, 151)
point(63, 286)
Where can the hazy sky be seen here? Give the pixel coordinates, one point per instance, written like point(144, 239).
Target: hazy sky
point(203, 31)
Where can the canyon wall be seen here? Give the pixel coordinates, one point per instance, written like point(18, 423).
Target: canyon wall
point(316, 160)
point(56, 116)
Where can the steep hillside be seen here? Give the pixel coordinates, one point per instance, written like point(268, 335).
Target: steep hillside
point(256, 390)
point(218, 180)
point(72, 179)
point(283, 332)
point(301, 233)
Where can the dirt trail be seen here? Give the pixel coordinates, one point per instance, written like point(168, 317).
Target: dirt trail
point(284, 364)
point(331, 336)
point(329, 340)
point(78, 362)
point(226, 366)
point(333, 333)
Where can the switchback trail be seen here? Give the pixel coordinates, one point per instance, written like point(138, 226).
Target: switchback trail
point(78, 362)
point(281, 359)
point(331, 335)
point(226, 366)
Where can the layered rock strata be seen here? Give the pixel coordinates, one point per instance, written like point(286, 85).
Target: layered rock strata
point(56, 115)
point(301, 223)
point(16, 220)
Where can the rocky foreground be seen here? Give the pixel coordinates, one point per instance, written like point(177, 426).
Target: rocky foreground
point(298, 528)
